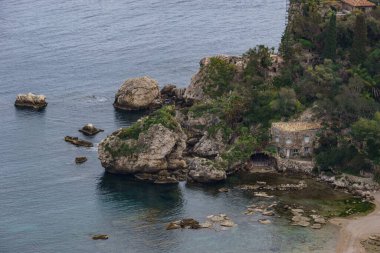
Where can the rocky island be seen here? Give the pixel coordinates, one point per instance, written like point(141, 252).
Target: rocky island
point(311, 108)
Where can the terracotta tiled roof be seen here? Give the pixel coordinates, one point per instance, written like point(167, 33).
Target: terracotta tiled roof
point(296, 126)
point(359, 3)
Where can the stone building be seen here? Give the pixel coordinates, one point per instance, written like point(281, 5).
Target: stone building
point(362, 5)
point(294, 139)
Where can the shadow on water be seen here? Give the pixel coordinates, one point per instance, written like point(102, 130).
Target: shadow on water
point(26, 112)
point(127, 118)
point(208, 189)
point(125, 190)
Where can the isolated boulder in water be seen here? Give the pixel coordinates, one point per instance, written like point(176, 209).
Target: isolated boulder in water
point(203, 170)
point(137, 94)
point(31, 100)
point(90, 129)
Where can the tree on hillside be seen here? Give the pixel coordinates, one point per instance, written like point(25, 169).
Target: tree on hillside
point(358, 53)
point(329, 50)
point(367, 134)
point(286, 103)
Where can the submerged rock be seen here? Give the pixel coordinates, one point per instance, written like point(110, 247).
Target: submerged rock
point(138, 94)
point(228, 223)
point(221, 220)
point(316, 226)
point(31, 100)
point(318, 219)
point(265, 221)
point(184, 223)
point(300, 220)
point(78, 142)
point(223, 189)
point(217, 217)
point(173, 225)
point(80, 159)
point(263, 195)
point(90, 130)
point(100, 237)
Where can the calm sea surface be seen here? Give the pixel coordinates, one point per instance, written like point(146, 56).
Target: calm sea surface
point(77, 53)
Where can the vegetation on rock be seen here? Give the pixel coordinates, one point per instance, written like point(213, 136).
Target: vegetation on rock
point(331, 65)
point(164, 116)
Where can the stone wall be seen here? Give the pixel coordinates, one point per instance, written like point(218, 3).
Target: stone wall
point(291, 165)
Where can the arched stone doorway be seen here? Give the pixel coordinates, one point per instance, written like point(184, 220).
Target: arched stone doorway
point(260, 159)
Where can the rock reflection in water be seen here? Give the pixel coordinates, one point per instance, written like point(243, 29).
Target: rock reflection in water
point(124, 190)
point(126, 118)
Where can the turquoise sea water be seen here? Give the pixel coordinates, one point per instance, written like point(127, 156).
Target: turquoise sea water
point(77, 53)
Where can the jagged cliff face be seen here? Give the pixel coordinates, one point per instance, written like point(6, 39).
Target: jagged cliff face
point(199, 81)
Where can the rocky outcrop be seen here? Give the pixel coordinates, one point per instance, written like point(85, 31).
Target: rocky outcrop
point(215, 221)
point(170, 94)
point(90, 130)
point(209, 146)
point(138, 94)
point(202, 170)
point(31, 100)
point(359, 186)
point(156, 154)
point(197, 124)
point(198, 81)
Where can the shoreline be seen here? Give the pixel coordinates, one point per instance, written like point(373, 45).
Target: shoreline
point(354, 230)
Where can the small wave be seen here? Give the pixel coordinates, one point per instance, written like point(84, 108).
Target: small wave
point(93, 99)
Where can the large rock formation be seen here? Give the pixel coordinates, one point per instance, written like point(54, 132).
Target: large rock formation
point(199, 81)
point(31, 100)
point(203, 170)
point(209, 146)
point(153, 154)
point(171, 94)
point(137, 94)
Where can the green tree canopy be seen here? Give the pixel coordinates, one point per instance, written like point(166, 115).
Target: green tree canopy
point(329, 51)
point(358, 52)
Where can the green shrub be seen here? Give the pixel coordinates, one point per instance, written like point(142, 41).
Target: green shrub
point(219, 75)
point(306, 44)
point(164, 116)
point(242, 149)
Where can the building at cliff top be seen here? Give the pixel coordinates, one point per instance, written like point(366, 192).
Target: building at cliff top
point(362, 5)
point(294, 139)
